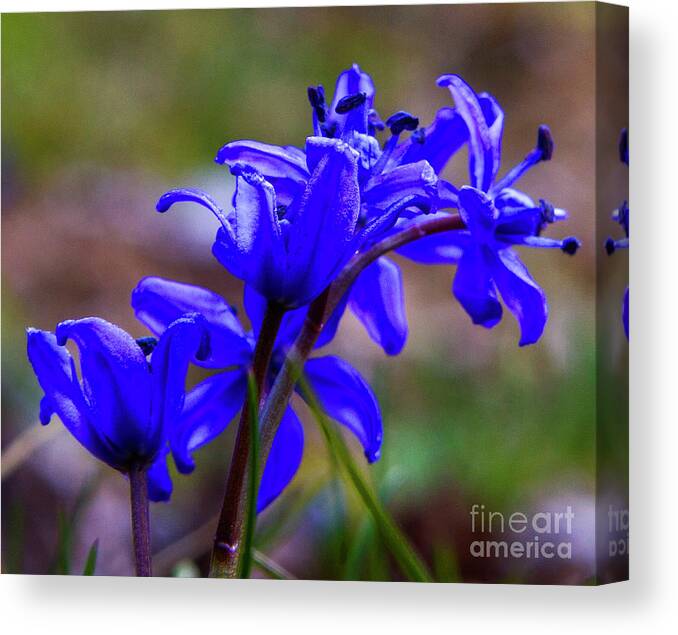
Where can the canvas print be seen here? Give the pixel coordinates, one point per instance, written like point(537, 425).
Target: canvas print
point(329, 293)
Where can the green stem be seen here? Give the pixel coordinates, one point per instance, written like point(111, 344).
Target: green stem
point(227, 551)
point(405, 555)
point(253, 478)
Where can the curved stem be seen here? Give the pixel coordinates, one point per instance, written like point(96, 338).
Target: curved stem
point(323, 306)
point(228, 541)
point(141, 528)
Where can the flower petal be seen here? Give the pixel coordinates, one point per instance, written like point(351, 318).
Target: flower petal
point(159, 480)
point(55, 371)
point(208, 410)
point(521, 294)
point(377, 300)
point(258, 235)
point(158, 302)
point(350, 82)
point(484, 138)
point(474, 288)
point(324, 223)
point(184, 339)
point(283, 459)
point(116, 383)
point(190, 195)
point(346, 397)
point(413, 179)
point(284, 167)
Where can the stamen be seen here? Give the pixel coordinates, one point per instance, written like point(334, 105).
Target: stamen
point(400, 121)
point(147, 345)
point(280, 211)
point(350, 102)
point(610, 246)
point(419, 136)
point(316, 97)
point(545, 143)
point(570, 246)
point(374, 122)
point(548, 213)
point(329, 129)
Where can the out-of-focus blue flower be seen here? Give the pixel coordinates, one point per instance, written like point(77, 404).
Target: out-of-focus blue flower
point(211, 405)
point(621, 216)
point(124, 403)
point(498, 217)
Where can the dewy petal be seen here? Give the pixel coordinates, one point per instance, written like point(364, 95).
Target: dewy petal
point(474, 288)
point(116, 382)
point(483, 150)
point(55, 372)
point(258, 236)
point(521, 294)
point(208, 410)
point(159, 480)
point(413, 179)
point(377, 300)
point(284, 167)
point(184, 339)
point(283, 459)
point(439, 142)
point(346, 397)
point(158, 302)
point(324, 223)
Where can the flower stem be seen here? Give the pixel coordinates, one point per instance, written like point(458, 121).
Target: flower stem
point(323, 306)
point(141, 528)
point(229, 545)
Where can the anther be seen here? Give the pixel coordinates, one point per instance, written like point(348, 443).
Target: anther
point(610, 246)
point(316, 97)
point(545, 143)
point(280, 211)
point(570, 246)
point(350, 102)
point(419, 136)
point(147, 345)
point(400, 121)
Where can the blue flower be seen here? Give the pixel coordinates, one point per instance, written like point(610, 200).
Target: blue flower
point(498, 217)
point(289, 243)
point(621, 216)
point(405, 186)
point(211, 405)
point(120, 406)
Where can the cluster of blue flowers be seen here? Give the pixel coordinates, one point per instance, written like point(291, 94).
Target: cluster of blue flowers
point(296, 219)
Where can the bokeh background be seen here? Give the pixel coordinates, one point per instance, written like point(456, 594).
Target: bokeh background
point(103, 112)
